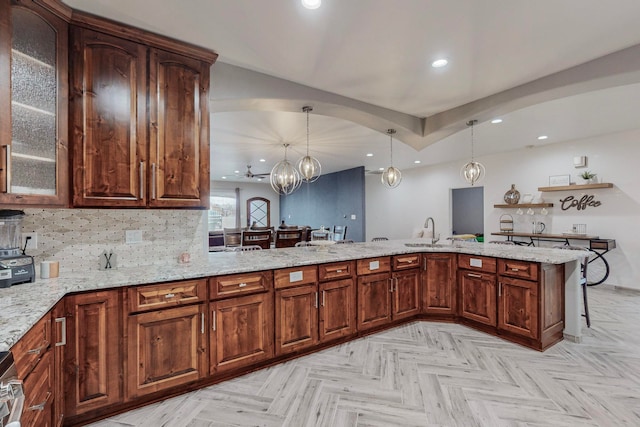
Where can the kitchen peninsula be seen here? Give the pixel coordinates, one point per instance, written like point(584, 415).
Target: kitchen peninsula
point(283, 303)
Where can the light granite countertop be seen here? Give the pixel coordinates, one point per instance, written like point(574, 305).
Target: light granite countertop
point(21, 306)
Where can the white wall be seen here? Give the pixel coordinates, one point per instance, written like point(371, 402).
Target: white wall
point(248, 190)
point(426, 192)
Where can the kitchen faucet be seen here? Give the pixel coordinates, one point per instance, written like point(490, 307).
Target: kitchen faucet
point(434, 237)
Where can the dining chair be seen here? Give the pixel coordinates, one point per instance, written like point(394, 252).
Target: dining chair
point(344, 241)
point(287, 238)
point(379, 239)
point(584, 263)
point(232, 236)
point(339, 232)
point(261, 238)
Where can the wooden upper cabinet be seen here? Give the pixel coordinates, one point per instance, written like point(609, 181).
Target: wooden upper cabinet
point(179, 130)
point(140, 121)
point(108, 113)
point(33, 104)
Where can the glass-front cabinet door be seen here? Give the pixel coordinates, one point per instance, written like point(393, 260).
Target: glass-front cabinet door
point(33, 113)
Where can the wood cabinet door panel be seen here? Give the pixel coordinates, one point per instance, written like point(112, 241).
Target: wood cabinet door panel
point(337, 309)
point(108, 101)
point(166, 348)
point(478, 296)
point(241, 331)
point(336, 270)
point(406, 293)
point(296, 276)
point(32, 346)
point(439, 290)
point(374, 300)
point(296, 321)
point(518, 306)
point(93, 361)
point(179, 144)
point(38, 387)
point(515, 268)
point(240, 284)
point(153, 297)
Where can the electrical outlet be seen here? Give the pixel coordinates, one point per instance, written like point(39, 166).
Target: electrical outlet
point(133, 236)
point(33, 241)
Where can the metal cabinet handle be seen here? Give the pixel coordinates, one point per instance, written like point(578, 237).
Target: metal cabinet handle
point(7, 168)
point(153, 181)
point(202, 323)
point(170, 295)
point(37, 350)
point(323, 297)
point(515, 269)
point(141, 181)
point(63, 338)
point(40, 406)
point(424, 264)
point(391, 283)
point(316, 299)
point(213, 320)
point(499, 289)
point(477, 276)
point(242, 285)
point(338, 271)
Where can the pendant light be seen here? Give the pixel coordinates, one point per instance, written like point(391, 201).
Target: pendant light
point(392, 176)
point(309, 167)
point(473, 171)
point(284, 177)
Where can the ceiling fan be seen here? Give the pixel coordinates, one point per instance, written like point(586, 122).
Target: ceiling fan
point(250, 175)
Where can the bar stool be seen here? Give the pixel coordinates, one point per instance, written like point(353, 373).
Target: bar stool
point(583, 277)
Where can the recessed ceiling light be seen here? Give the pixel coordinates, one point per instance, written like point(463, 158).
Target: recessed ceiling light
point(369, 154)
point(541, 137)
point(236, 171)
point(262, 160)
point(439, 63)
point(417, 162)
point(380, 169)
point(224, 177)
point(311, 4)
point(496, 121)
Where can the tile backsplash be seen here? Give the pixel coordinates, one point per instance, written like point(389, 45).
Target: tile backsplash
point(77, 238)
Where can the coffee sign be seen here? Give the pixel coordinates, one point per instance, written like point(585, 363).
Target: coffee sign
point(580, 204)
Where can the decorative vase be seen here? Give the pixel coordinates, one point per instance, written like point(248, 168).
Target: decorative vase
point(512, 196)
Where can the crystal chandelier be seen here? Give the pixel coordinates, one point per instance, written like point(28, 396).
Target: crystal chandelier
point(284, 177)
point(473, 171)
point(392, 176)
point(309, 167)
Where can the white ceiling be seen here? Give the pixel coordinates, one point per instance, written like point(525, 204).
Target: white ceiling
point(378, 52)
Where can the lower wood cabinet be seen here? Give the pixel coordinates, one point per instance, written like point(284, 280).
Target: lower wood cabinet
point(38, 386)
point(241, 331)
point(337, 309)
point(166, 348)
point(478, 296)
point(518, 306)
point(439, 296)
point(405, 293)
point(88, 339)
point(296, 318)
point(374, 300)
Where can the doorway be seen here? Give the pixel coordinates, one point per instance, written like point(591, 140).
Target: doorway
point(467, 210)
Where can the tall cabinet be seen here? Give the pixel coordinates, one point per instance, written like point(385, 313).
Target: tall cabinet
point(33, 103)
point(140, 121)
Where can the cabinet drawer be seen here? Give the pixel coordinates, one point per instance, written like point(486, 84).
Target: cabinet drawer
point(153, 297)
point(373, 265)
point(515, 268)
point(38, 390)
point(289, 277)
point(239, 284)
point(32, 346)
point(336, 270)
point(402, 262)
point(479, 263)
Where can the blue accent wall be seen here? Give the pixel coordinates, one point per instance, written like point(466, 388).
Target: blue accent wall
point(329, 201)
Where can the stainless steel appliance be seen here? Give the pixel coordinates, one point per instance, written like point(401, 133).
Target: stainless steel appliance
point(15, 266)
point(11, 395)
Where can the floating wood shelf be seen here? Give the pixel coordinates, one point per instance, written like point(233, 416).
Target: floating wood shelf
point(576, 187)
point(525, 205)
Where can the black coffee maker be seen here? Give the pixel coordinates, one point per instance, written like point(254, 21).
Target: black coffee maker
point(15, 266)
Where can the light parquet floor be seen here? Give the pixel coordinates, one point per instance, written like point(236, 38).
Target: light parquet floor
point(434, 374)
